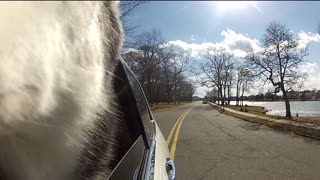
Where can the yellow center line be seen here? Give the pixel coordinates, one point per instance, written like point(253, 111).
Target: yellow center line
point(174, 128)
point(176, 136)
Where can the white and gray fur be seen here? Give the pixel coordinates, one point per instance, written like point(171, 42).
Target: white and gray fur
point(56, 67)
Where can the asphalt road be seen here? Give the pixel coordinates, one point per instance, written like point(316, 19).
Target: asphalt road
point(211, 145)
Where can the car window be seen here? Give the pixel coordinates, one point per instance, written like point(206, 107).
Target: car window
point(140, 101)
point(129, 166)
point(134, 110)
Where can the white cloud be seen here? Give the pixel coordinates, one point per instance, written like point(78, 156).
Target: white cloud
point(127, 50)
point(195, 49)
point(304, 38)
point(313, 78)
point(236, 43)
point(239, 43)
point(201, 91)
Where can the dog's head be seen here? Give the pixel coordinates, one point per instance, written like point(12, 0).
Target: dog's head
point(55, 56)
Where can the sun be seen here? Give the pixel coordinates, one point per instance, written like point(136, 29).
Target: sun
point(233, 4)
point(223, 6)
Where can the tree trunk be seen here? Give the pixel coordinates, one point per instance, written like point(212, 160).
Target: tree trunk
point(242, 94)
point(218, 98)
point(288, 111)
point(179, 92)
point(229, 94)
point(237, 93)
point(175, 95)
point(224, 94)
point(221, 96)
point(168, 96)
point(286, 100)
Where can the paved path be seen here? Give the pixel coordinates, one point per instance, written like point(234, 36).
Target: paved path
point(211, 145)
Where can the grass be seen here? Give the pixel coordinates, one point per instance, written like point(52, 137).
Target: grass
point(163, 106)
point(259, 110)
point(314, 120)
point(313, 133)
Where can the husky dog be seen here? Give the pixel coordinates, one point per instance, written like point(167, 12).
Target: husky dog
point(56, 67)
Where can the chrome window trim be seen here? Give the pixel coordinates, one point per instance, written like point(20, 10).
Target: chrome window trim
point(150, 164)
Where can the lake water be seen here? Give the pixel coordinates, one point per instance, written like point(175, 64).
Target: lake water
point(304, 108)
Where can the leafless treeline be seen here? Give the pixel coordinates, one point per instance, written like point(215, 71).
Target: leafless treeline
point(160, 68)
point(223, 72)
point(277, 62)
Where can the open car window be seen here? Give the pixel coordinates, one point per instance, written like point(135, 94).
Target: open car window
point(137, 113)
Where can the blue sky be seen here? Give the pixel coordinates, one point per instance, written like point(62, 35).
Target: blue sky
point(201, 22)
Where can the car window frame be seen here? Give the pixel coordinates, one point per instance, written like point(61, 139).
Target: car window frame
point(147, 166)
point(134, 83)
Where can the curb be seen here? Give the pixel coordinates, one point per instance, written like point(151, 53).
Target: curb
point(303, 130)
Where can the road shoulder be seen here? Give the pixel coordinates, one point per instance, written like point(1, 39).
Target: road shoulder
point(305, 129)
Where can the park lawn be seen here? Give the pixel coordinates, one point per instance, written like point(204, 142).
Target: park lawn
point(259, 110)
point(163, 106)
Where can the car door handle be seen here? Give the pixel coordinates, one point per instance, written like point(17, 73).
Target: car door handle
point(171, 169)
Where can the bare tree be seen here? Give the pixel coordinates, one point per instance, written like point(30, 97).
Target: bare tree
point(246, 81)
point(127, 8)
point(279, 61)
point(243, 79)
point(174, 64)
point(186, 91)
point(238, 82)
point(227, 77)
point(160, 69)
point(229, 85)
point(217, 70)
point(145, 61)
point(212, 95)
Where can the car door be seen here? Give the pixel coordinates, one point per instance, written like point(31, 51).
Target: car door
point(148, 157)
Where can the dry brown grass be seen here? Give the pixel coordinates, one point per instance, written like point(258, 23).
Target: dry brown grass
point(314, 133)
point(314, 120)
point(259, 110)
point(160, 106)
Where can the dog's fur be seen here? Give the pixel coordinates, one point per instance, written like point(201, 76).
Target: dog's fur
point(56, 66)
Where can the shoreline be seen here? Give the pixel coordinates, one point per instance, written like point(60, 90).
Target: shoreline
point(262, 111)
point(297, 126)
point(291, 100)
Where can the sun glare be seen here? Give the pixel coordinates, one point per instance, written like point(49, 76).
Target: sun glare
point(223, 6)
point(233, 4)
